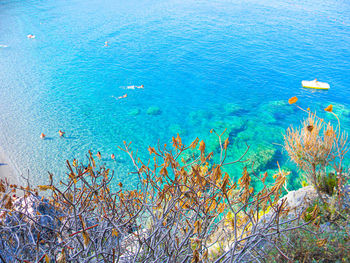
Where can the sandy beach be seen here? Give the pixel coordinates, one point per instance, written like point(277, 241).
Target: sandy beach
point(6, 170)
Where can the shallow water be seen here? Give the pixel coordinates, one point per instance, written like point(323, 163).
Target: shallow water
point(204, 65)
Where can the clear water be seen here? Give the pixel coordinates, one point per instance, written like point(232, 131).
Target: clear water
point(204, 64)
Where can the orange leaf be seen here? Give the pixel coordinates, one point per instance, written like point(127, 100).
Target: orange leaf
point(226, 143)
point(202, 146)
point(151, 150)
point(197, 227)
point(329, 108)
point(292, 100)
point(194, 143)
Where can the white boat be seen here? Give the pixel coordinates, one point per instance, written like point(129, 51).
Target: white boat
point(314, 84)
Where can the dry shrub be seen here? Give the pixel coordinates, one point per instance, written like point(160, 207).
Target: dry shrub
point(318, 147)
point(183, 210)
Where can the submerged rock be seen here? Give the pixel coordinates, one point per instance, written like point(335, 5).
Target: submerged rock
point(233, 125)
point(233, 109)
point(154, 110)
point(199, 118)
point(134, 112)
point(257, 132)
point(176, 129)
point(263, 156)
point(277, 109)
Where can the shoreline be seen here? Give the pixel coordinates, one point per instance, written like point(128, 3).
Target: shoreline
point(7, 171)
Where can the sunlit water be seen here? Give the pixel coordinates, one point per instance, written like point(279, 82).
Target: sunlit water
point(204, 64)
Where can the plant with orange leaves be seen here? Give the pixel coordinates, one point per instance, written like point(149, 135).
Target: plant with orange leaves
point(183, 210)
point(316, 147)
point(186, 206)
point(79, 220)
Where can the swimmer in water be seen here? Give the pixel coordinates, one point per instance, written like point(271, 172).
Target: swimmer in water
point(99, 155)
point(106, 44)
point(61, 133)
point(120, 97)
point(113, 156)
point(30, 36)
point(135, 87)
point(42, 135)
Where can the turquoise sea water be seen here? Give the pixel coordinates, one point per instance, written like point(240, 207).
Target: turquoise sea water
point(204, 64)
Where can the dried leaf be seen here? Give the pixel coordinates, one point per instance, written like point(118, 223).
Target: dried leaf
point(115, 232)
point(264, 178)
point(292, 100)
point(204, 256)
point(195, 256)
point(226, 143)
point(329, 108)
point(310, 128)
point(321, 242)
point(2, 187)
point(86, 238)
point(202, 147)
point(151, 150)
point(197, 227)
point(194, 143)
point(225, 183)
point(221, 208)
point(44, 187)
point(62, 257)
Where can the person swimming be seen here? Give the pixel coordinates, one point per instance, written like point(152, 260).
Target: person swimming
point(135, 87)
point(113, 156)
point(61, 133)
point(106, 44)
point(42, 135)
point(120, 97)
point(31, 36)
point(99, 155)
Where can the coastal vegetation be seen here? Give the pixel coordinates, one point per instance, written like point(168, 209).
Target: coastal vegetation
point(186, 207)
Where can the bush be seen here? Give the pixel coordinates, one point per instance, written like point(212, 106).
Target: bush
point(325, 240)
point(316, 147)
point(182, 211)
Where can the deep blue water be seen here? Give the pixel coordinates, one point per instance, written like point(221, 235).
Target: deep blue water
point(197, 60)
